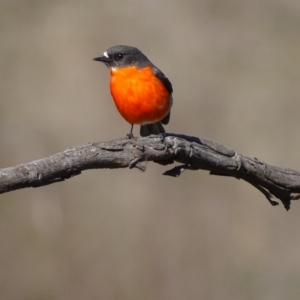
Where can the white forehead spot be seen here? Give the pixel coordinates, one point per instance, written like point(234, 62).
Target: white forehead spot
point(105, 54)
point(114, 69)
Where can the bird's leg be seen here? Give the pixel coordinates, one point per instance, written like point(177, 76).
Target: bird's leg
point(130, 134)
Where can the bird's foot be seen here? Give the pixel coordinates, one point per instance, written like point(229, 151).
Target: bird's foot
point(129, 136)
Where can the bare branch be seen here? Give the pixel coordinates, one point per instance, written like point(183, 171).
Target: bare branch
point(192, 152)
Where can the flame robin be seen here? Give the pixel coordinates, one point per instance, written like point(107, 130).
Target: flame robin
point(141, 92)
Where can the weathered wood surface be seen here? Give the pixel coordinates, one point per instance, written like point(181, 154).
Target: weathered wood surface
point(193, 153)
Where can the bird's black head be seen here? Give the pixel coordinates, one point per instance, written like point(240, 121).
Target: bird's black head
point(123, 56)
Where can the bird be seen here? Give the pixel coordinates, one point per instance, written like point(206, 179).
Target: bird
point(141, 91)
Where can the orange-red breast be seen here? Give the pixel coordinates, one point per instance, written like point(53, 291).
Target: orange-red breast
point(141, 92)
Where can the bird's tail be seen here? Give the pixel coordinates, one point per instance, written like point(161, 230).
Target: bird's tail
point(154, 128)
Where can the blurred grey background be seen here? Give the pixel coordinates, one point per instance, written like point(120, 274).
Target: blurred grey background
point(124, 234)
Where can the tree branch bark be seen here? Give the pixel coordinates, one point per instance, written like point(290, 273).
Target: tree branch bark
point(193, 153)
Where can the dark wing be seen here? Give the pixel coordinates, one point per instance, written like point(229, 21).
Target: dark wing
point(166, 119)
point(160, 75)
point(168, 85)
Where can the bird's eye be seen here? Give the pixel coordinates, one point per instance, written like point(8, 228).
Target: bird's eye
point(118, 56)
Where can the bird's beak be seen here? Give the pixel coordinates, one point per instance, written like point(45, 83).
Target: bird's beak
point(103, 59)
